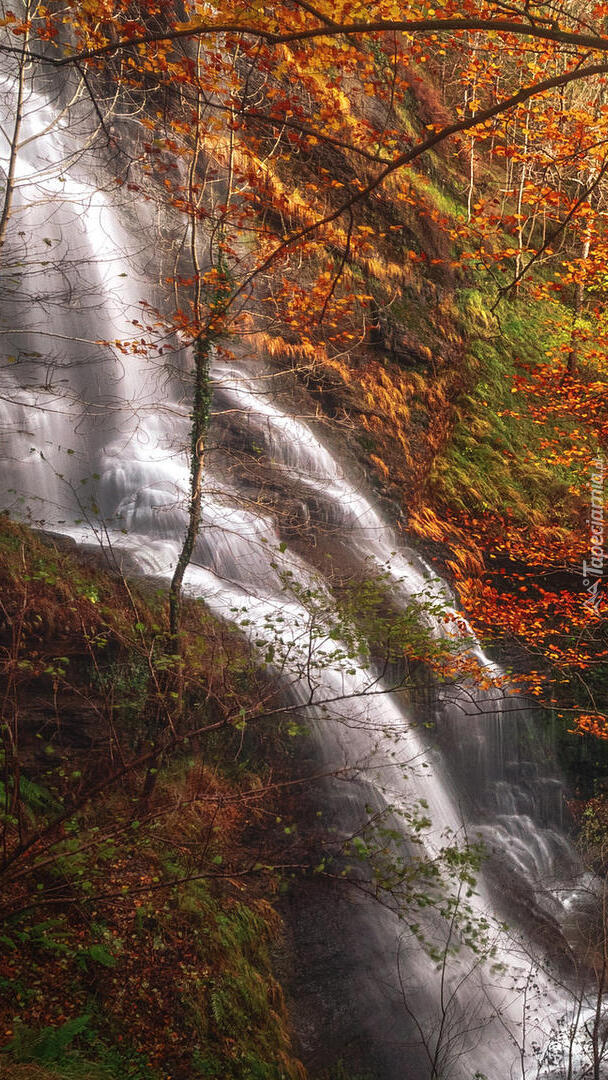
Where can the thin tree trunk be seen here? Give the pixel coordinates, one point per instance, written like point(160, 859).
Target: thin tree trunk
point(202, 388)
point(520, 204)
point(597, 1044)
point(580, 285)
point(471, 191)
point(579, 302)
point(7, 204)
point(200, 423)
point(471, 180)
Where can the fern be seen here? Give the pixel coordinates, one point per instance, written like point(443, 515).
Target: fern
point(219, 1009)
point(35, 797)
point(47, 1046)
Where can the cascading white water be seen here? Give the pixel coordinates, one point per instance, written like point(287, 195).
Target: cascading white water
point(89, 435)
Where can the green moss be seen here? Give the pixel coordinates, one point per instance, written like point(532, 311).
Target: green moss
point(435, 190)
point(234, 1008)
point(494, 459)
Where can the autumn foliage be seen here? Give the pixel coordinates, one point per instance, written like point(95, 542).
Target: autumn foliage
point(362, 171)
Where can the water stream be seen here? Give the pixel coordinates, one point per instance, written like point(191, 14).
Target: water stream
point(95, 433)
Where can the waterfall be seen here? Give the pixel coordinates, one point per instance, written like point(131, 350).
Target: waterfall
point(95, 433)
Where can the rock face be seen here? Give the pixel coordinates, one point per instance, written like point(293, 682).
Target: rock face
point(343, 1008)
point(396, 342)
